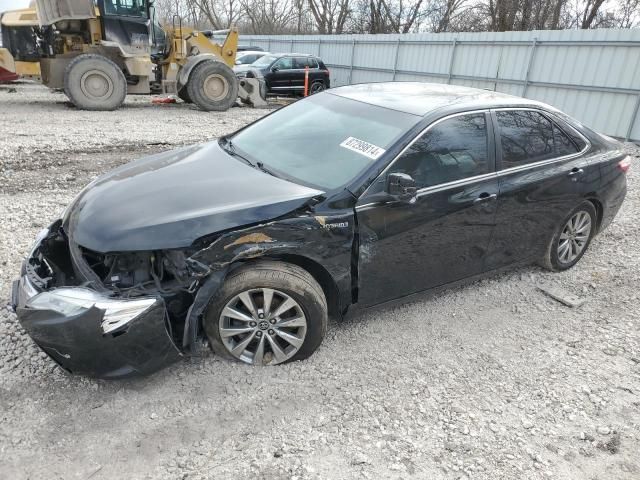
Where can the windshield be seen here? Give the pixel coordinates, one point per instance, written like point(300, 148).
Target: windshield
point(129, 8)
point(247, 58)
point(324, 141)
point(264, 61)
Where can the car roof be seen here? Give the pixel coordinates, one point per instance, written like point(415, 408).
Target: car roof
point(293, 54)
point(420, 98)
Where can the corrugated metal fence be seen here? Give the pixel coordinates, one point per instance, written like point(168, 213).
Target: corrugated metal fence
point(592, 75)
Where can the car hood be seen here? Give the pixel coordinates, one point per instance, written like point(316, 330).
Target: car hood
point(171, 199)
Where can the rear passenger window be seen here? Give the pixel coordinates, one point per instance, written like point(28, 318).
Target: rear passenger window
point(526, 137)
point(301, 62)
point(573, 135)
point(453, 149)
point(563, 144)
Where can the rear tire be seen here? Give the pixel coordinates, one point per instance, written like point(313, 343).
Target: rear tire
point(317, 87)
point(571, 238)
point(285, 284)
point(212, 86)
point(93, 82)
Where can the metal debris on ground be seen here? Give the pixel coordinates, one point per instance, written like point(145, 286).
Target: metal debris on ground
point(562, 296)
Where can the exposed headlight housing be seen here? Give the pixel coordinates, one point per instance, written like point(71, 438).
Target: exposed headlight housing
point(74, 301)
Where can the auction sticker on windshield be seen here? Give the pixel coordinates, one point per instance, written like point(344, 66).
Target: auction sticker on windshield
point(363, 148)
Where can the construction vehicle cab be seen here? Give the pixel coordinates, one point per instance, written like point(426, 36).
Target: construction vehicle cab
point(20, 53)
point(100, 51)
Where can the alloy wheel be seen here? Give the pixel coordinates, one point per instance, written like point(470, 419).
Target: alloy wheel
point(574, 237)
point(317, 88)
point(262, 326)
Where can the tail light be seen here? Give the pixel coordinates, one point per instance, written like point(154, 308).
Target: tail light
point(625, 164)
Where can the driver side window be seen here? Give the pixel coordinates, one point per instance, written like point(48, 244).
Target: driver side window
point(285, 63)
point(453, 149)
point(129, 8)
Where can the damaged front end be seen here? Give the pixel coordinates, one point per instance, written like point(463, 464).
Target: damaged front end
point(105, 315)
point(122, 314)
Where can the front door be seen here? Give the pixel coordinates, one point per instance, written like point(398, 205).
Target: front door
point(280, 76)
point(443, 236)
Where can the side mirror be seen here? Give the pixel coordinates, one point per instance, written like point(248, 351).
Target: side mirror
point(275, 69)
point(238, 62)
point(402, 187)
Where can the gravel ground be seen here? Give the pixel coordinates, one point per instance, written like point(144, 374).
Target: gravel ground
point(491, 380)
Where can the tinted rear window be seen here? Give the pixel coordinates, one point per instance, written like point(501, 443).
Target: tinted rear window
point(563, 144)
point(526, 137)
point(571, 132)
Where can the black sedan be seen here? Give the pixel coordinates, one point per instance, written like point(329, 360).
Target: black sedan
point(349, 198)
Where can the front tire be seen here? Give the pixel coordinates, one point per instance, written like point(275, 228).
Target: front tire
point(212, 86)
point(93, 82)
point(267, 313)
point(183, 94)
point(571, 239)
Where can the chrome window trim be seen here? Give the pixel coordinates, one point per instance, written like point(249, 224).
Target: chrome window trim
point(547, 161)
point(443, 186)
point(455, 183)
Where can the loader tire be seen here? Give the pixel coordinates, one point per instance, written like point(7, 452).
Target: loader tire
point(184, 95)
point(213, 86)
point(93, 82)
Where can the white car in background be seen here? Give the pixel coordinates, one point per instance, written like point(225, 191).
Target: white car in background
point(245, 59)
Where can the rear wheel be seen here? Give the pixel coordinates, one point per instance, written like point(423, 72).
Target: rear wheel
point(317, 87)
point(93, 82)
point(212, 86)
point(267, 313)
point(571, 239)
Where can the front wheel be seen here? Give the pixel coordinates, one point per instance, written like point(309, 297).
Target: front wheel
point(571, 239)
point(184, 95)
point(212, 86)
point(267, 313)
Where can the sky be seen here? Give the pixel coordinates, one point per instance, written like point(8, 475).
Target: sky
point(13, 4)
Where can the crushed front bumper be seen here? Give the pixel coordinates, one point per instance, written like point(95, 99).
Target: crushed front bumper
point(78, 343)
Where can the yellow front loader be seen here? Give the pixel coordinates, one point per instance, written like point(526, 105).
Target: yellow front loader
point(99, 52)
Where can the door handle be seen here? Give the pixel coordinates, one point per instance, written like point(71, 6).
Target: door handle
point(485, 197)
point(575, 171)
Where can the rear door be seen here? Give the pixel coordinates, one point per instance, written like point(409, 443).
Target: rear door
point(297, 80)
point(444, 235)
point(543, 174)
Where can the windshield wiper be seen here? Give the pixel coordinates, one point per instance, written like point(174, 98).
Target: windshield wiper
point(261, 166)
point(228, 147)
